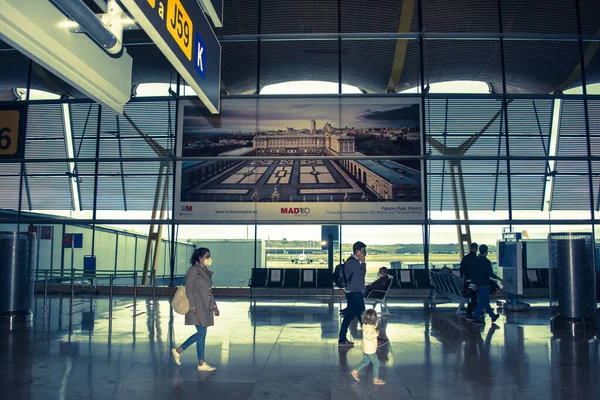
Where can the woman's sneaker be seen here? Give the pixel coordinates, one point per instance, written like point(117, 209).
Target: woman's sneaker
point(205, 368)
point(176, 356)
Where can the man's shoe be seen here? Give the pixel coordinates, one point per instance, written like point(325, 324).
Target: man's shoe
point(345, 343)
point(495, 318)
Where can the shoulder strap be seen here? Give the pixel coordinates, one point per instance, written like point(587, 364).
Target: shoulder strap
point(347, 279)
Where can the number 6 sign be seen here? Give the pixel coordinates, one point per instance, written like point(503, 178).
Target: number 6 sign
point(5, 138)
point(11, 133)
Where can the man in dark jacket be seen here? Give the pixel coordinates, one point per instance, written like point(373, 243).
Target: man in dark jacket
point(381, 283)
point(355, 269)
point(466, 265)
point(481, 273)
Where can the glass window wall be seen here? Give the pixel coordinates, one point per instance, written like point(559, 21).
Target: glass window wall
point(520, 154)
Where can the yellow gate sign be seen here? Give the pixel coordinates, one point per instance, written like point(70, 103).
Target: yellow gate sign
point(12, 133)
point(180, 26)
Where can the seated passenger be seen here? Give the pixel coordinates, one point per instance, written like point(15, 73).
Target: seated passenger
point(380, 284)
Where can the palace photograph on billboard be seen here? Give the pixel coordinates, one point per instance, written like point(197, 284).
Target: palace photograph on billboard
point(278, 159)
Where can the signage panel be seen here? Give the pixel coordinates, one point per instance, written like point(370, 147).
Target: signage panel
point(12, 132)
point(181, 31)
point(47, 232)
point(78, 240)
point(67, 241)
point(300, 160)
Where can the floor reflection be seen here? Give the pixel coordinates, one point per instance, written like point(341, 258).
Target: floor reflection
point(287, 349)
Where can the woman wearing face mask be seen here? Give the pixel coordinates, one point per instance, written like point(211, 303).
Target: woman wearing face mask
point(202, 306)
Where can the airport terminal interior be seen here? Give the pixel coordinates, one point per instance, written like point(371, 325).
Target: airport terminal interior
point(278, 134)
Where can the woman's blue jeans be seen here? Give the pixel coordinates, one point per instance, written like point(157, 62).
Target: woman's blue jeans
point(198, 337)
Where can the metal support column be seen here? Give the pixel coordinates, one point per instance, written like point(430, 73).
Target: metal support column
point(135, 278)
point(155, 233)
point(458, 186)
point(160, 202)
point(111, 280)
point(423, 127)
point(505, 103)
point(174, 227)
point(45, 290)
point(586, 115)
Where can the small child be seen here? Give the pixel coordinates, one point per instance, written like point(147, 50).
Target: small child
point(369, 346)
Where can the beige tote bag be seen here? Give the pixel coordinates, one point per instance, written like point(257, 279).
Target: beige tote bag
point(180, 302)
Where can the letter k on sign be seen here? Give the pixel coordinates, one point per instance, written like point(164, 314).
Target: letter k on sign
point(200, 56)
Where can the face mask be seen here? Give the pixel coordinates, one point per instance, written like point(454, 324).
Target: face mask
point(208, 262)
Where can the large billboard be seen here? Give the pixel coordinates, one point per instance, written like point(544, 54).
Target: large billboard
point(300, 159)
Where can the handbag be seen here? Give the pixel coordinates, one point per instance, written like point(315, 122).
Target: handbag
point(180, 302)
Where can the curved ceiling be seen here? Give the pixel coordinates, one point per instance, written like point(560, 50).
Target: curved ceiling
point(531, 66)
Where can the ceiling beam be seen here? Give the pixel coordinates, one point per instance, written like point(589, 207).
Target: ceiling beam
point(590, 52)
point(406, 16)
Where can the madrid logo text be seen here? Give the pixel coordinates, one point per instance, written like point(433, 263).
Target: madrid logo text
point(295, 210)
point(186, 209)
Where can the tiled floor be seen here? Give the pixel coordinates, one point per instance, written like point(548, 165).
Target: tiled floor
point(287, 349)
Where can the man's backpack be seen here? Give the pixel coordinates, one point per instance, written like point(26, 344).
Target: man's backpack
point(339, 276)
